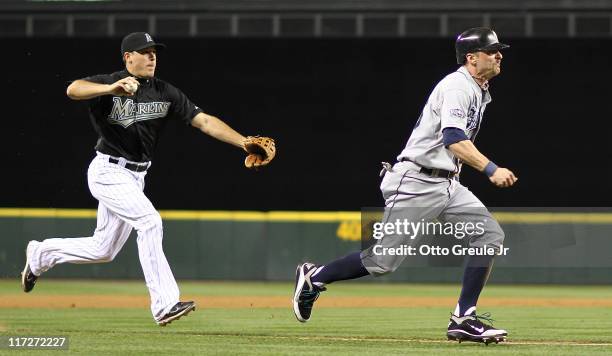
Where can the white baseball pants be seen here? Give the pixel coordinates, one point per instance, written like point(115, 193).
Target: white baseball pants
point(122, 206)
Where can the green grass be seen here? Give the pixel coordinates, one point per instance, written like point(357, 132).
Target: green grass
point(346, 289)
point(274, 331)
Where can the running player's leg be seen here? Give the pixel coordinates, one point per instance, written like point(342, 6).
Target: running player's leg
point(464, 207)
point(121, 192)
point(410, 196)
point(108, 239)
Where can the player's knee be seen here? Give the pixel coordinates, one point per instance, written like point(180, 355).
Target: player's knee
point(156, 221)
point(104, 256)
point(497, 235)
point(378, 271)
point(151, 222)
point(492, 236)
point(380, 265)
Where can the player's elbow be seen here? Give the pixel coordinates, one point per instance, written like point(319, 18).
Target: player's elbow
point(202, 122)
point(457, 148)
point(71, 92)
point(75, 92)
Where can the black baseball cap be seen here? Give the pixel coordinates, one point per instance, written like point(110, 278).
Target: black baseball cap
point(136, 41)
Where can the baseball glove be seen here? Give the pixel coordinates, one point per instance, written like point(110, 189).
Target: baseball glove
point(261, 151)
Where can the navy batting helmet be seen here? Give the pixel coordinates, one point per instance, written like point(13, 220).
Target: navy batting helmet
point(475, 40)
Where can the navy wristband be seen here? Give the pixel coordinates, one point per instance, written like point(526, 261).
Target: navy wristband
point(490, 169)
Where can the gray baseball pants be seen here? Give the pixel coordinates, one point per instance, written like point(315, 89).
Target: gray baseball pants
point(416, 196)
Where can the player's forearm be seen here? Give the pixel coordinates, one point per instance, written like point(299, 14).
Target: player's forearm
point(469, 154)
point(218, 129)
point(83, 90)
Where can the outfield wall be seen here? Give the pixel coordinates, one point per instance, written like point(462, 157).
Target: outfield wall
point(572, 248)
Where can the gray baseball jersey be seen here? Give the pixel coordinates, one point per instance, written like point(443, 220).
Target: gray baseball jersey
point(456, 101)
point(459, 102)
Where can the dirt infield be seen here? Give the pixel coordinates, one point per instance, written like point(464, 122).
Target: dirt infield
point(130, 301)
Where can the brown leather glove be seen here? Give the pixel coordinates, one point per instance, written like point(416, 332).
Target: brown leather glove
point(261, 151)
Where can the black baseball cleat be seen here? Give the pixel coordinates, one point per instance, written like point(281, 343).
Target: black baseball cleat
point(178, 310)
point(471, 328)
point(28, 278)
point(305, 292)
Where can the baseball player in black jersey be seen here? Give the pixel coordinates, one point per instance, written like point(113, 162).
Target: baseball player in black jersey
point(128, 109)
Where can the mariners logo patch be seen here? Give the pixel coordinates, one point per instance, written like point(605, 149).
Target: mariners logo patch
point(127, 112)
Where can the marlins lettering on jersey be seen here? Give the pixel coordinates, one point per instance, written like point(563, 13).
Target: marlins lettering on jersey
point(127, 112)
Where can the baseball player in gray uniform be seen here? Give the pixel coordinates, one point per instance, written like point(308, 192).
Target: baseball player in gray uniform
point(128, 110)
point(423, 185)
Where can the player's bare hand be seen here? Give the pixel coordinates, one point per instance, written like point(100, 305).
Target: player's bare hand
point(124, 87)
point(503, 178)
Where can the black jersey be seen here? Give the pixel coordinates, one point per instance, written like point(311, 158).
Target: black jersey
point(128, 126)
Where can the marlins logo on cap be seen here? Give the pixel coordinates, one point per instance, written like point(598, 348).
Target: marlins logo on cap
point(137, 41)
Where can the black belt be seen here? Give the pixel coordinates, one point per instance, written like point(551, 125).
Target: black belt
point(434, 172)
point(131, 166)
point(440, 173)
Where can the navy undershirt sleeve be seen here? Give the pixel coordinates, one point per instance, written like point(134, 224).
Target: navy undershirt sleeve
point(453, 135)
